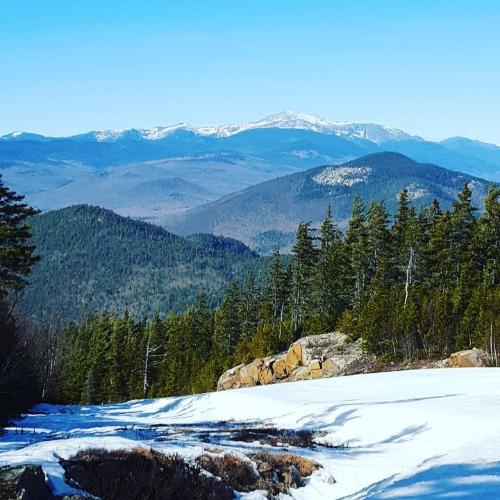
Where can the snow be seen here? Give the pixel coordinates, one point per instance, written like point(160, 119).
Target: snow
point(342, 176)
point(410, 434)
point(304, 121)
point(284, 120)
point(414, 191)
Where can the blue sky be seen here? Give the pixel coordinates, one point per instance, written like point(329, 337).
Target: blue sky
point(428, 67)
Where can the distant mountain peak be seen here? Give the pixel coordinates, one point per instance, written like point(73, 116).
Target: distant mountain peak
point(19, 135)
point(314, 123)
point(283, 120)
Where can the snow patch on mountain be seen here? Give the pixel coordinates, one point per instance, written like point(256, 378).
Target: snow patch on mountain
point(303, 121)
point(342, 176)
point(415, 192)
point(476, 186)
point(284, 120)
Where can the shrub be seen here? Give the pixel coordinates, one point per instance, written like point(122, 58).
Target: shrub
point(141, 474)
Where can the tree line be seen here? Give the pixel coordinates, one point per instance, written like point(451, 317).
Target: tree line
point(419, 285)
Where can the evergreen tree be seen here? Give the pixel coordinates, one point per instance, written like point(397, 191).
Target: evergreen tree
point(379, 246)
point(331, 283)
point(228, 327)
point(305, 258)
point(16, 253)
point(356, 244)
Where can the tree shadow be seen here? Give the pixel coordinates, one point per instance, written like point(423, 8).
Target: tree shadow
point(461, 480)
point(320, 420)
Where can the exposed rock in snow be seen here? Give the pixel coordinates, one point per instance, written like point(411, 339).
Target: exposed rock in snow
point(315, 356)
point(342, 176)
point(468, 358)
point(24, 482)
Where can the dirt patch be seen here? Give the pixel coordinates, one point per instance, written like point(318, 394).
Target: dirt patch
point(141, 474)
point(275, 437)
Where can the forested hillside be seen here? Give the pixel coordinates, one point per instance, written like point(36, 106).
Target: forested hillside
point(281, 204)
point(94, 260)
point(422, 284)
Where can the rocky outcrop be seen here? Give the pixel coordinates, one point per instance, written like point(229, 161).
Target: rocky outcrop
point(467, 359)
point(331, 355)
point(316, 356)
point(24, 482)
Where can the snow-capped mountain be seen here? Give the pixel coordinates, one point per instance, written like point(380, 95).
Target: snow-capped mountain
point(18, 135)
point(285, 120)
point(185, 166)
point(303, 121)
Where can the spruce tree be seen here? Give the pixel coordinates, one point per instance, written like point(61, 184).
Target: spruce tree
point(305, 258)
point(357, 248)
point(17, 255)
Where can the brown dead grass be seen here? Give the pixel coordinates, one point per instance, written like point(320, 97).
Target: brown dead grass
point(282, 461)
point(233, 470)
point(141, 474)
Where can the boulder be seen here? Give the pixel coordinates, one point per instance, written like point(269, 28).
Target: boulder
point(279, 368)
point(322, 346)
point(468, 359)
point(300, 373)
point(317, 374)
point(314, 365)
point(266, 376)
point(249, 374)
point(316, 356)
point(25, 482)
point(331, 368)
point(230, 379)
point(293, 357)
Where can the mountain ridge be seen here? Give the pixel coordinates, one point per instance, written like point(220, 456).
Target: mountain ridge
point(283, 119)
point(281, 204)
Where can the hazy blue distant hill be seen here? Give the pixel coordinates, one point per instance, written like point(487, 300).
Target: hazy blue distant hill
point(281, 204)
point(94, 260)
point(141, 172)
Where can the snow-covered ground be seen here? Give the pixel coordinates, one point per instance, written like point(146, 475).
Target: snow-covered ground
point(411, 434)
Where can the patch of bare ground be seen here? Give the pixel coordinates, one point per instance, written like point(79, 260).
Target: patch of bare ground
point(141, 474)
point(275, 437)
point(239, 473)
point(275, 473)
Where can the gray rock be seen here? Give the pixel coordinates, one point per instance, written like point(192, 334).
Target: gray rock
point(317, 356)
point(24, 482)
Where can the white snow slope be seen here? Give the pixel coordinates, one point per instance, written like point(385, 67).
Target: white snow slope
point(411, 434)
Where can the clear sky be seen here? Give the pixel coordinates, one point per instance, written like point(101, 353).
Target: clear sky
point(427, 67)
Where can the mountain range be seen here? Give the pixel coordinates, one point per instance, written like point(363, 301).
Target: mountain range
point(153, 173)
point(274, 209)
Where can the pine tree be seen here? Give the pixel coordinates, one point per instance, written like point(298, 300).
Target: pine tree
point(488, 237)
point(16, 253)
point(356, 244)
point(228, 326)
point(249, 308)
point(305, 258)
point(331, 281)
point(379, 246)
